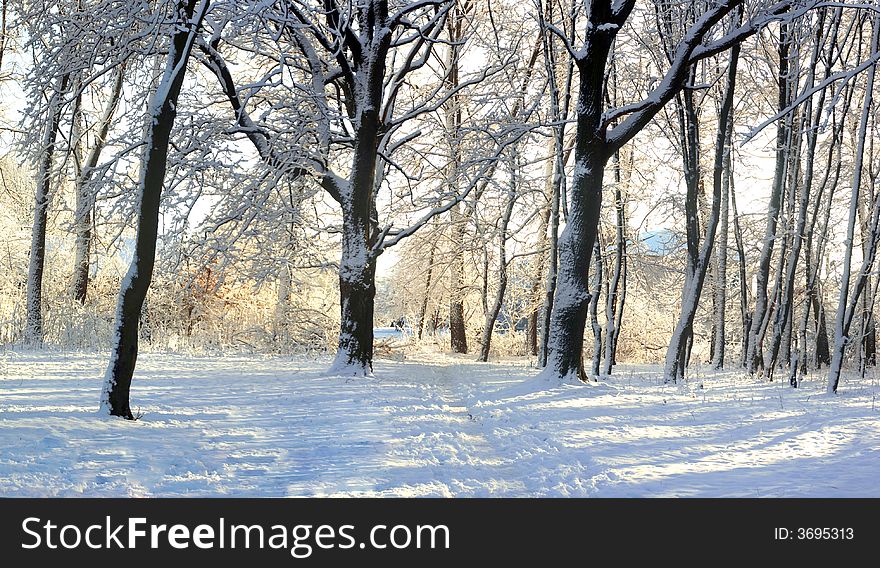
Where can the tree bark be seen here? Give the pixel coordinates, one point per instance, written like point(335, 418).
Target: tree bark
point(423, 309)
point(754, 355)
point(495, 309)
point(85, 201)
point(161, 113)
point(33, 331)
point(677, 355)
point(598, 266)
point(614, 299)
point(848, 299)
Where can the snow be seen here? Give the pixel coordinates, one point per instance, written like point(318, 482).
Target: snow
point(429, 425)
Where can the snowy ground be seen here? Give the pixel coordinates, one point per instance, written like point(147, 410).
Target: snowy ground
point(427, 426)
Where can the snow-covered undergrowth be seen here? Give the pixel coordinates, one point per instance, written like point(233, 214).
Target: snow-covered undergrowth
point(429, 426)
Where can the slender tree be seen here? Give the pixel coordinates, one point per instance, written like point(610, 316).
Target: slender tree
point(161, 114)
point(33, 331)
point(849, 296)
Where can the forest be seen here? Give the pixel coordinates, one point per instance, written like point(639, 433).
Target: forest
point(567, 196)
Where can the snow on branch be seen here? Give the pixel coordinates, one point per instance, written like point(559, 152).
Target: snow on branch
point(482, 178)
point(260, 137)
point(845, 75)
point(689, 50)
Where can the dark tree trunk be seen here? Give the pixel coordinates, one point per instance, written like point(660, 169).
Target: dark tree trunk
point(823, 347)
point(357, 267)
point(594, 308)
point(614, 298)
point(870, 341)
point(594, 146)
point(85, 201)
point(495, 309)
point(453, 117)
point(423, 309)
point(619, 325)
point(457, 329)
point(699, 257)
point(745, 314)
point(33, 332)
point(688, 124)
point(357, 293)
point(162, 112)
point(576, 243)
point(760, 317)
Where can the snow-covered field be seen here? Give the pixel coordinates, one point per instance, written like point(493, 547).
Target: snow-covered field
point(431, 425)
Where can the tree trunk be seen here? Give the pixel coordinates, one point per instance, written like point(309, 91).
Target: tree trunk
point(593, 309)
point(423, 309)
point(453, 118)
point(719, 342)
point(745, 314)
point(554, 183)
point(492, 314)
point(33, 331)
point(594, 146)
point(357, 266)
point(784, 313)
point(161, 113)
point(678, 353)
point(457, 330)
point(688, 123)
point(759, 318)
point(846, 304)
point(614, 297)
point(85, 200)
point(541, 259)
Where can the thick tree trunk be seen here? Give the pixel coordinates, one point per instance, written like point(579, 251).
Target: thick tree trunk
point(566, 338)
point(162, 112)
point(357, 292)
point(594, 146)
point(33, 331)
point(357, 266)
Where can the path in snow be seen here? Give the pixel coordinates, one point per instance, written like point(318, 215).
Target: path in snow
point(435, 425)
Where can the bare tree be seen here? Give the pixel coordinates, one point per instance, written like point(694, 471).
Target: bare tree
point(699, 256)
point(849, 296)
point(33, 332)
point(596, 143)
point(161, 114)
